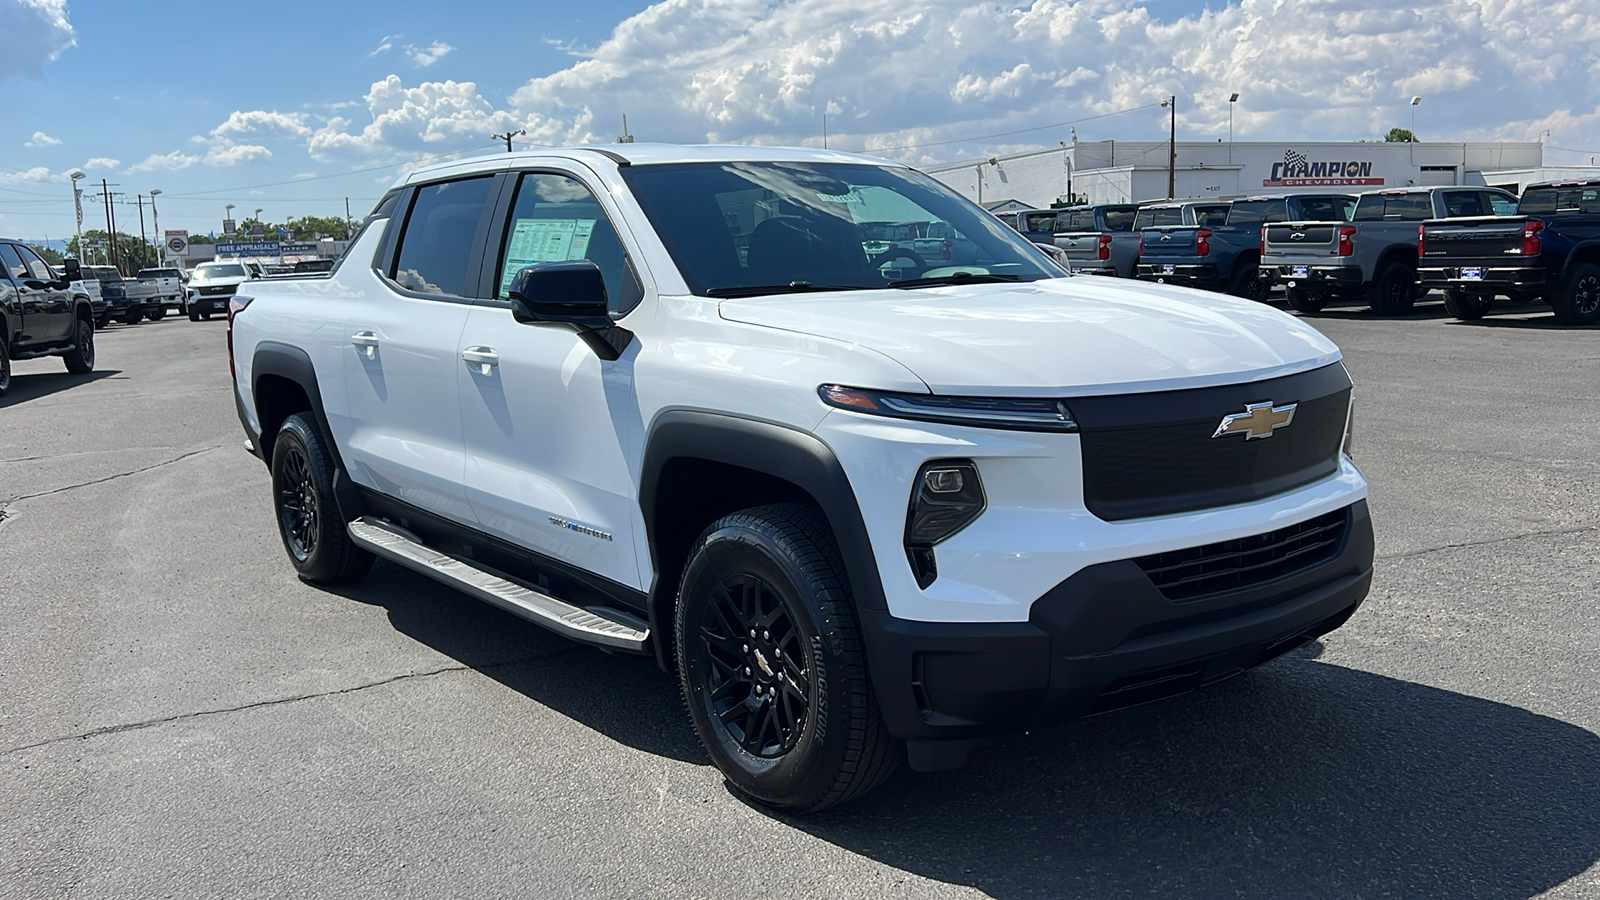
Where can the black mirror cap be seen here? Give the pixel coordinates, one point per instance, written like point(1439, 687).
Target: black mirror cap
point(570, 291)
point(72, 269)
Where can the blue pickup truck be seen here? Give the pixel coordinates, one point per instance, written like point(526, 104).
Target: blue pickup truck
point(1223, 256)
point(1549, 250)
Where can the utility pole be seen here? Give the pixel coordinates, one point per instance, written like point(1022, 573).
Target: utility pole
point(625, 138)
point(111, 220)
point(824, 131)
point(155, 217)
point(349, 228)
point(508, 136)
point(144, 242)
point(1172, 150)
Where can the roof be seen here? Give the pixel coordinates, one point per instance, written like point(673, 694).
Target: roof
point(1581, 182)
point(650, 155)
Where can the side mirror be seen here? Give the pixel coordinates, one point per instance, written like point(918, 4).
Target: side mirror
point(569, 294)
point(560, 292)
point(73, 270)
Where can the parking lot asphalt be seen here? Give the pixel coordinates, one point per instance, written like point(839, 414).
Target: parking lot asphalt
point(180, 716)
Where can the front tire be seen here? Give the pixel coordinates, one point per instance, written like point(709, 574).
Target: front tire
point(1578, 302)
point(771, 665)
point(5, 364)
point(309, 523)
point(80, 359)
point(155, 315)
point(1393, 292)
point(1467, 306)
point(132, 316)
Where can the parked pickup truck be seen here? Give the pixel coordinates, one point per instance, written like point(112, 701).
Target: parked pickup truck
point(658, 400)
point(40, 313)
point(1224, 256)
point(127, 299)
point(1374, 253)
point(169, 287)
point(1037, 225)
point(1099, 240)
point(1549, 250)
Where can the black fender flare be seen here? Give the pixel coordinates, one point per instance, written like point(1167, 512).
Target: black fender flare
point(1584, 249)
point(783, 452)
point(293, 364)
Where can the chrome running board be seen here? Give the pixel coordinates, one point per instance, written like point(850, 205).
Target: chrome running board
point(601, 627)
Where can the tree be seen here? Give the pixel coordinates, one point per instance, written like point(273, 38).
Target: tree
point(1400, 136)
point(132, 253)
point(310, 228)
point(51, 256)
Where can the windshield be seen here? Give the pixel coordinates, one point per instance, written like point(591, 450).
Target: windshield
point(1326, 209)
point(1257, 212)
point(767, 227)
point(224, 270)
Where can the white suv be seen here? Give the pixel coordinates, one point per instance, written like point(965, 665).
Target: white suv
point(666, 401)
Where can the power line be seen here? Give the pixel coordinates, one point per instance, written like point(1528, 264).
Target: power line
point(984, 137)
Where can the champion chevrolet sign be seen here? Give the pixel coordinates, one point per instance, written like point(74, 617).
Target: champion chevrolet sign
point(1298, 171)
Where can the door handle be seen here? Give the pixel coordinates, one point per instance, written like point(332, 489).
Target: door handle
point(367, 342)
point(483, 358)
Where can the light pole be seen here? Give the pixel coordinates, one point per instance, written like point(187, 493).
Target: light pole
point(257, 224)
point(1232, 99)
point(1414, 102)
point(78, 175)
point(156, 217)
point(1171, 103)
point(227, 216)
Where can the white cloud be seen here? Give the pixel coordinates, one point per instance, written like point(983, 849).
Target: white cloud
point(219, 152)
point(764, 71)
point(261, 123)
point(165, 162)
point(423, 57)
point(34, 175)
point(385, 45)
point(40, 139)
point(36, 31)
point(102, 162)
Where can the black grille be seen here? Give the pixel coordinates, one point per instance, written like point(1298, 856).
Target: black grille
point(1154, 454)
point(219, 290)
point(1246, 562)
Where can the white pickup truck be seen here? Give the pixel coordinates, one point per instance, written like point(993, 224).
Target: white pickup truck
point(662, 400)
point(169, 288)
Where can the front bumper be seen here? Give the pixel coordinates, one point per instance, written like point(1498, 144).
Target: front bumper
point(1312, 277)
point(1198, 275)
point(1490, 280)
point(208, 303)
point(1103, 639)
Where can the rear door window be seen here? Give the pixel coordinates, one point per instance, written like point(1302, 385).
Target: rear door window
point(1500, 204)
point(13, 264)
point(1461, 204)
point(1256, 212)
point(439, 237)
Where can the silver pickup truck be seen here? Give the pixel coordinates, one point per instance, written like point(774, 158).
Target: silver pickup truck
point(1374, 254)
point(1099, 240)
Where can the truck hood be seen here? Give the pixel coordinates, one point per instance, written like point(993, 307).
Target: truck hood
point(1062, 337)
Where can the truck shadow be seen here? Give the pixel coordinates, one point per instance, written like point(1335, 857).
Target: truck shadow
point(25, 387)
point(1302, 779)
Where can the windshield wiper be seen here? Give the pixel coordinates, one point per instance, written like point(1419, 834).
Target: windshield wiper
point(793, 287)
point(955, 278)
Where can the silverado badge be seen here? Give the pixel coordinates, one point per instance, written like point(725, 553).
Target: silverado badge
point(1259, 420)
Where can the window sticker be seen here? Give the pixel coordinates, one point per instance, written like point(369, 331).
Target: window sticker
point(544, 240)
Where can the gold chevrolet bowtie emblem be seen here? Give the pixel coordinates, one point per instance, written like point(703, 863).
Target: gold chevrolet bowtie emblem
point(1259, 420)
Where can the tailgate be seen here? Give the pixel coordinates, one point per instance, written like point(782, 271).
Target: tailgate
point(1080, 246)
point(1301, 240)
point(1167, 241)
point(1485, 240)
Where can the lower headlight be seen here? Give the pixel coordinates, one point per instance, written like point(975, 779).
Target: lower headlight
point(945, 498)
point(1350, 428)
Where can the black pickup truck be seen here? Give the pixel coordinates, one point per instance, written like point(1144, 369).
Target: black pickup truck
point(40, 313)
point(1549, 250)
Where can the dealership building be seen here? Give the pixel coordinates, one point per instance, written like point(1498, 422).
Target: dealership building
point(1131, 171)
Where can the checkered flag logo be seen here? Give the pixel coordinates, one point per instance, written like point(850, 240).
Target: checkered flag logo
point(1293, 161)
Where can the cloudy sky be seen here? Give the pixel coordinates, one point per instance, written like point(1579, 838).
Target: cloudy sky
point(293, 106)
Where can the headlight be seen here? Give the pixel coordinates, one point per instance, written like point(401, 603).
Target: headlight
point(946, 497)
point(1013, 413)
point(1350, 427)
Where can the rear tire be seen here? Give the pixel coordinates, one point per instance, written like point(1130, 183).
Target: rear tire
point(1246, 281)
point(309, 522)
point(132, 316)
point(102, 323)
point(80, 359)
point(1305, 301)
point(206, 316)
point(1393, 292)
point(156, 314)
point(1467, 306)
point(771, 665)
point(1578, 301)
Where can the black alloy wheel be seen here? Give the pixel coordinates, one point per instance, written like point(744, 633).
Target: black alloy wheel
point(1579, 304)
point(80, 359)
point(1246, 282)
point(102, 323)
point(1467, 306)
point(297, 504)
point(771, 665)
point(313, 532)
point(758, 685)
point(1393, 292)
